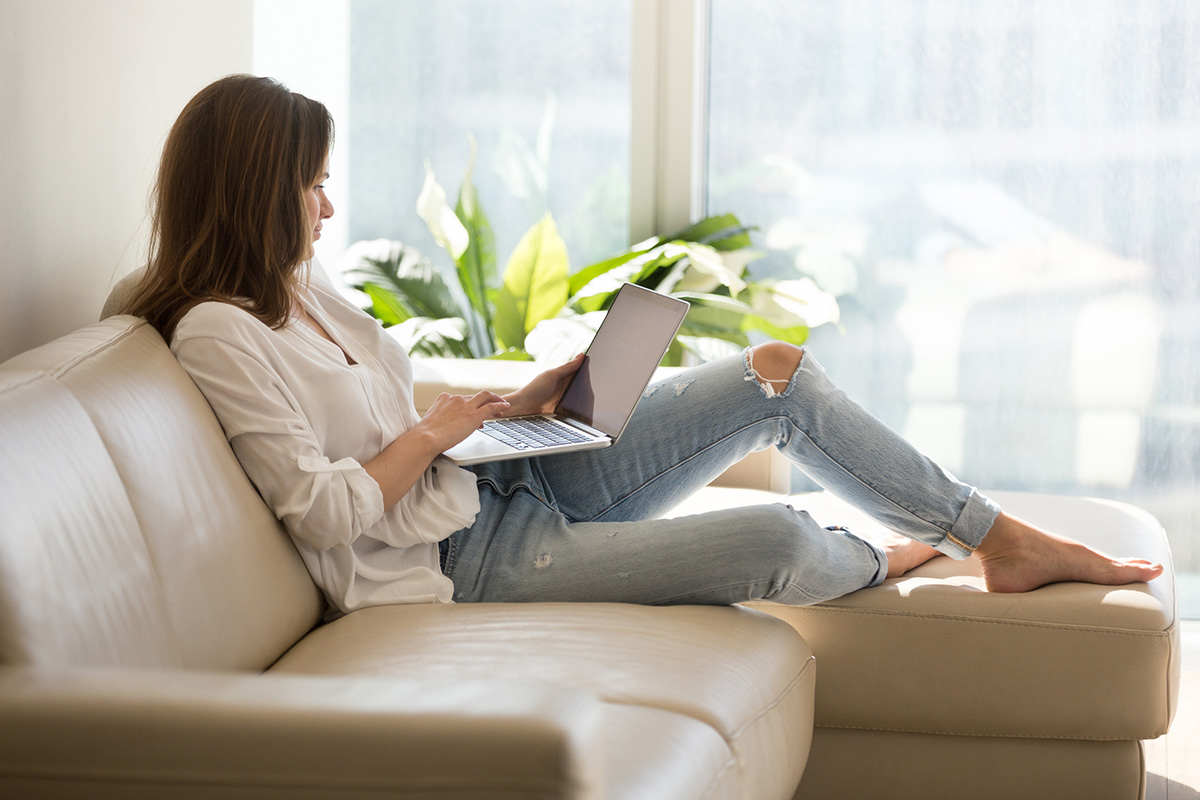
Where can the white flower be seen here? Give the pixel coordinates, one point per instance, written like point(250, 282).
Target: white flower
point(807, 301)
point(707, 269)
point(448, 231)
point(558, 340)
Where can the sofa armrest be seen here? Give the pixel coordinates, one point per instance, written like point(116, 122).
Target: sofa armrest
point(188, 734)
point(768, 470)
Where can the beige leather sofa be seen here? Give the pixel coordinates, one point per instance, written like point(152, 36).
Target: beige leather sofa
point(159, 637)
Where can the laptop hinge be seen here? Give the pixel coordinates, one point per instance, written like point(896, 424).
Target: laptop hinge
point(588, 429)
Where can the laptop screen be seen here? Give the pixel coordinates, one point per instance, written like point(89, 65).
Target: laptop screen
point(622, 357)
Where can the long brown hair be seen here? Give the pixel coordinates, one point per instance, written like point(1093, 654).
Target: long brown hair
point(229, 220)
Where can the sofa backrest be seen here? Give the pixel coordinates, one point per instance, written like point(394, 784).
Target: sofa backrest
point(129, 535)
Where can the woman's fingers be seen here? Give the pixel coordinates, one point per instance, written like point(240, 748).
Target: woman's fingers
point(476, 407)
point(570, 367)
point(480, 399)
point(453, 416)
point(489, 404)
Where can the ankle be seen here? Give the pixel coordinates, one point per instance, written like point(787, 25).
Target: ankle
point(1006, 535)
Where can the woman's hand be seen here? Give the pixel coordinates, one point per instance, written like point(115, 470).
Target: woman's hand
point(542, 394)
point(453, 417)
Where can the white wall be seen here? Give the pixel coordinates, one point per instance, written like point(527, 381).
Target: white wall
point(88, 90)
point(306, 45)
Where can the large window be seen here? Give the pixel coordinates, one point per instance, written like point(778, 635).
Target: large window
point(1005, 195)
point(543, 88)
point(1002, 193)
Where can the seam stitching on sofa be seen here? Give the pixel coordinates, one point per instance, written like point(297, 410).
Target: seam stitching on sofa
point(716, 779)
point(787, 690)
point(31, 376)
point(102, 346)
point(977, 735)
point(1012, 623)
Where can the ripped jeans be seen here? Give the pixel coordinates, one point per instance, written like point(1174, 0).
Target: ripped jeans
point(584, 526)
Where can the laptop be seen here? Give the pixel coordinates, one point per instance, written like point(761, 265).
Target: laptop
point(603, 393)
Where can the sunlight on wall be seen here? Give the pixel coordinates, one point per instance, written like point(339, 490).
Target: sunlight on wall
point(306, 45)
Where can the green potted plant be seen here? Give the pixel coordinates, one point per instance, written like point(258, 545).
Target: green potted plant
point(538, 308)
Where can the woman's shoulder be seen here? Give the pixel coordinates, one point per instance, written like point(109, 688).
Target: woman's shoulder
point(218, 319)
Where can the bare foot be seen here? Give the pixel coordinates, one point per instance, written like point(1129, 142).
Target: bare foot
point(1018, 557)
point(902, 553)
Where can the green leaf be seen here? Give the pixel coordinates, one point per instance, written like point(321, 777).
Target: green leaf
point(598, 293)
point(704, 270)
point(385, 306)
point(477, 266)
point(656, 269)
point(511, 354)
point(586, 275)
point(730, 319)
point(711, 348)
point(721, 232)
point(535, 283)
point(650, 268)
point(404, 272)
point(433, 337)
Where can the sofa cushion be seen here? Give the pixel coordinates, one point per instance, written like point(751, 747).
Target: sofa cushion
point(740, 673)
point(1068, 660)
point(218, 567)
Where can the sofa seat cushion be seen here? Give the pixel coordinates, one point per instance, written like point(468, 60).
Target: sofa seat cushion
point(1066, 661)
point(738, 673)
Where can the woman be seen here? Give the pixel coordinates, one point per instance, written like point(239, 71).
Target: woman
point(317, 404)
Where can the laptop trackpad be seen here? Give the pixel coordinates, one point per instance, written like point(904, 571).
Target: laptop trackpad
point(480, 447)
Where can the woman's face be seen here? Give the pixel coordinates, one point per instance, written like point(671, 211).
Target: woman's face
point(318, 205)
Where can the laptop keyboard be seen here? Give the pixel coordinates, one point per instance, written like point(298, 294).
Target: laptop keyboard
point(531, 432)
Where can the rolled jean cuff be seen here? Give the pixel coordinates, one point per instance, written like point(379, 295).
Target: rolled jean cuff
point(881, 573)
point(977, 517)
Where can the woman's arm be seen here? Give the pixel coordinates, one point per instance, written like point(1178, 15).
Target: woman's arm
point(449, 420)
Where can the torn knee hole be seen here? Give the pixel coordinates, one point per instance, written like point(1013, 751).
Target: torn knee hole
point(768, 385)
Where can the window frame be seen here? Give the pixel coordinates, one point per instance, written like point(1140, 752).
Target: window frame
point(669, 69)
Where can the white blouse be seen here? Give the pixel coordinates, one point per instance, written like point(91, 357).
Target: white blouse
point(303, 421)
